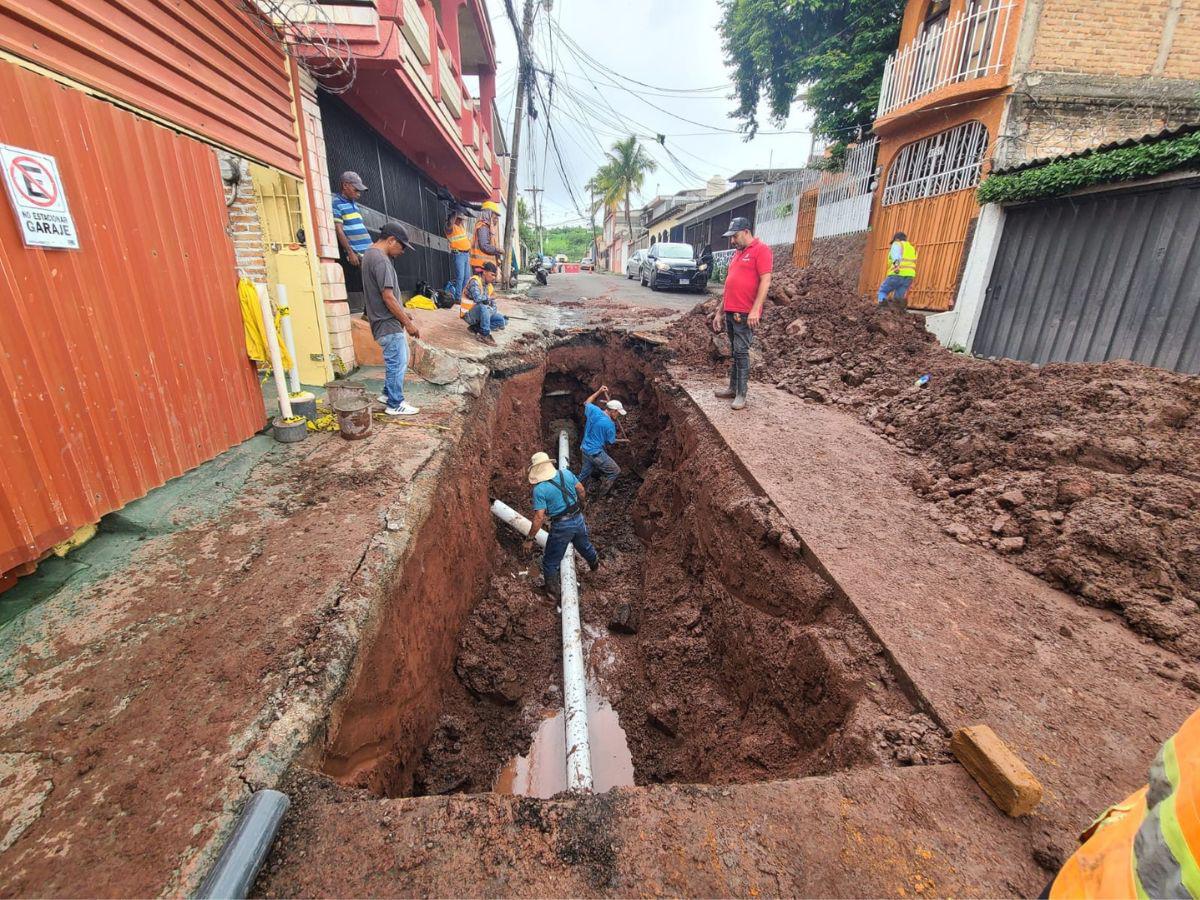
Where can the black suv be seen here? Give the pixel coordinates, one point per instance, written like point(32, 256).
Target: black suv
point(674, 266)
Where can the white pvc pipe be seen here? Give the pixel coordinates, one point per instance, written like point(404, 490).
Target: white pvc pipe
point(285, 406)
point(510, 516)
point(579, 754)
point(289, 339)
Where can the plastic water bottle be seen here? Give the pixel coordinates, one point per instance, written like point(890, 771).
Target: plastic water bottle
point(922, 381)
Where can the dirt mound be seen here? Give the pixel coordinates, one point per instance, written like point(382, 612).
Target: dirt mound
point(1086, 475)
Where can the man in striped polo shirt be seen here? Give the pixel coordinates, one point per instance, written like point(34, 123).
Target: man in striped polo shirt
point(352, 231)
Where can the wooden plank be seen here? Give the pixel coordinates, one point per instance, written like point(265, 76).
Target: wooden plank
point(998, 770)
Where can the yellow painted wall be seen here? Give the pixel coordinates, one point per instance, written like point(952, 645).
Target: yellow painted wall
point(282, 212)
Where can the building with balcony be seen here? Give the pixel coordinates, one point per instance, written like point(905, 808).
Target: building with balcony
point(417, 122)
point(979, 83)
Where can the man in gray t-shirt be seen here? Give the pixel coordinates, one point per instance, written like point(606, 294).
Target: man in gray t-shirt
point(387, 315)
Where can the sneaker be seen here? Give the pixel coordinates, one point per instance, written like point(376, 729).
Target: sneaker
point(382, 398)
point(725, 394)
point(404, 409)
point(739, 402)
point(486, 339)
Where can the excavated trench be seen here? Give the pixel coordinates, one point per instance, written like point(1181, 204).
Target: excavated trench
point(716, 653)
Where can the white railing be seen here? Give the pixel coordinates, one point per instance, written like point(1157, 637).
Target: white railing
point(777, 207)
point(969, 45)
point(844, 200)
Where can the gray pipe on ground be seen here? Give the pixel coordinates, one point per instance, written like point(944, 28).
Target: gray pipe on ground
point(233, 874)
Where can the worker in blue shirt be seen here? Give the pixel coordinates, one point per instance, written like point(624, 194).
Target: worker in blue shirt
point(600, 431)
point(558, 495)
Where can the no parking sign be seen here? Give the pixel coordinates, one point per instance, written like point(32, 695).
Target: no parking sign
point(37, 196)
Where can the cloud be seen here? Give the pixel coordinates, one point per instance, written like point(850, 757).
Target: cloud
point(671, 44)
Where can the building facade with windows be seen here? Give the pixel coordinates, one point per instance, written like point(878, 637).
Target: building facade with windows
point(978, 83)
point(418, 123)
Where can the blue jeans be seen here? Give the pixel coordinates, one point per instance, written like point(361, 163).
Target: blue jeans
point(395, 362)
point(563, 534)
point(488, 318)
point(898, 284)
point(460, 264)
point(602, 463)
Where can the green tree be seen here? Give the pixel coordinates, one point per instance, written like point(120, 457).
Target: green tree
point(623, 175)
point(827, 53)
point(574, 241)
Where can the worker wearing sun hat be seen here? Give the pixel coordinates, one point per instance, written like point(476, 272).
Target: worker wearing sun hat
point(599, 431)
point(558, 495)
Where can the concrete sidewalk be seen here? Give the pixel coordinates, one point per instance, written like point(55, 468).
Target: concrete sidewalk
point(189, 652)
point(1081, 698)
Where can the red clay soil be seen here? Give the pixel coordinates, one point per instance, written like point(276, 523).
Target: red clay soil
point(1087, 475)
point(731, 659)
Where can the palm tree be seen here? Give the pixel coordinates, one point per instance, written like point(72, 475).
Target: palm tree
point(598, 188)
point(625, 171)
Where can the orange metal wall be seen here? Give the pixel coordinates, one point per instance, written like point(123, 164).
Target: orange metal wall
point(937, 226)
point(201, 64)
point(806, 221)
point(123, 363)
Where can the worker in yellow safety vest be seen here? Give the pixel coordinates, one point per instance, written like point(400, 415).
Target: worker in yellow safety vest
point(1149, 844)
point(902, 269)
point(483, 246)
point(478, 305)
point(460, 251)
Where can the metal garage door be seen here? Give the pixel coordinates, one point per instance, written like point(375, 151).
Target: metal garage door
point(1113, 275)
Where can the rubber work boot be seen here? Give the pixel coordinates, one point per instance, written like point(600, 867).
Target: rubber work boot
point(724, 394)
point(739, 402)
point(554, 589)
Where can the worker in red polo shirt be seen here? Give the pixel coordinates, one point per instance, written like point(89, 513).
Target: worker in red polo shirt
point(746, 288)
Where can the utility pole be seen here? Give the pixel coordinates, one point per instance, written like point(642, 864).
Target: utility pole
point(537, 218)
point(523, 74)
point(592, 216)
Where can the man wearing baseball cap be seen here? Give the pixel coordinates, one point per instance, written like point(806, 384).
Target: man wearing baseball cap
point(352, 233)
point(599, 432)
point(558, 495)
point(390, 321)
point(482, 316)
point(746, 287)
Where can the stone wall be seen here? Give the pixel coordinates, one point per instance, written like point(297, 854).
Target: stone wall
point(1050, 115)
point(842, 255)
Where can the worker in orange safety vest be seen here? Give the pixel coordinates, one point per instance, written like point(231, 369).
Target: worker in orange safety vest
point(460, 251)
point(483, 244)
point(1147, 845)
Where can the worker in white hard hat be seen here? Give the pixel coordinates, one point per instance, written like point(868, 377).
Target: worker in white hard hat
point(558, 495)
point(600, 432)
point(483, 244)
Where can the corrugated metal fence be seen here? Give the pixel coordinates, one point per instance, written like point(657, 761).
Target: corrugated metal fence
point(1113, 275)
point(123, 363)
point(207, 66)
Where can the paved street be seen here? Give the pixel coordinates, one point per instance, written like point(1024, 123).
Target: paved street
point(592, 299)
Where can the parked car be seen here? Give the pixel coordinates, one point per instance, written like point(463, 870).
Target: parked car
point(586, 265)
point(634, 264)
point(673, 266)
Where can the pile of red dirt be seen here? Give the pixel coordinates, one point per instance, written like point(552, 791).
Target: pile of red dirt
point(1087, 475)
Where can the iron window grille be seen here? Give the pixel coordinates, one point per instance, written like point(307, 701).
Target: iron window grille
point(940, 164)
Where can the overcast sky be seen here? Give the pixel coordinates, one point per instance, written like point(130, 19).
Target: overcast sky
point(671, 44)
